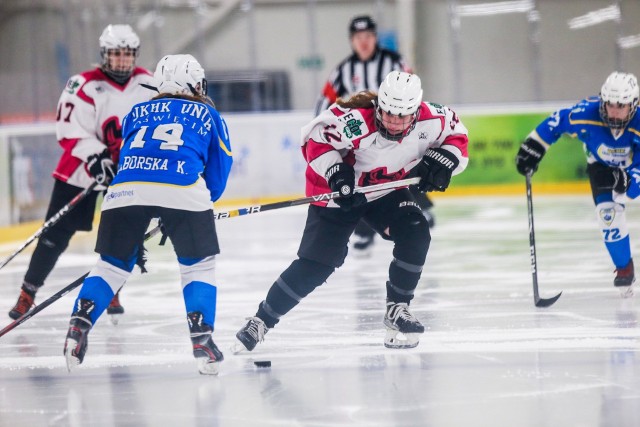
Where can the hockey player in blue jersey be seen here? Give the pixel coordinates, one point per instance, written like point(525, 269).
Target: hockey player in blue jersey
point(174, 162)
point(609, 128)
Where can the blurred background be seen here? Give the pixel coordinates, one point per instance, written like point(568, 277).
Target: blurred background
point(502, 65)
point(276, 54)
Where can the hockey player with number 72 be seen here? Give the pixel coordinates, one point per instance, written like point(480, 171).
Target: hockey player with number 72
point(609, 127)
point(365, 140)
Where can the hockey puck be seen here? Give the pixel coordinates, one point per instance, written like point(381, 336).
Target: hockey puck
point(262, 363)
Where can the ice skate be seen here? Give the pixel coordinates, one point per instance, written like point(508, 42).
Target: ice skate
point(115, 309)
point(625, 277)
point(75, 346)
point(250, 335)
point(403, 329)
point(204, 349)
point(25, 303)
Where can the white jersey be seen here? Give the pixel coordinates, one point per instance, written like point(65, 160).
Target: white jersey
point(89, 119)
point(350, 135)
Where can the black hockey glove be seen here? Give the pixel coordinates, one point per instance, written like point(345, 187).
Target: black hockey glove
point(341, 178)
point(101, 167)
point(529, 155)
point(620, 181)
point(435, 169)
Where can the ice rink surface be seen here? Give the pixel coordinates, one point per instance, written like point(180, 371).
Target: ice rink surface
point(489, 357)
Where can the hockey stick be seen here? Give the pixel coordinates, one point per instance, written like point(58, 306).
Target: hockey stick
point(52, 221)
point(539, 302)
point(237, 212)
point(316, 198)
point(55, 297)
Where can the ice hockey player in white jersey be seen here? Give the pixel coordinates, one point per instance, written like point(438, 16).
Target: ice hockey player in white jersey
point(174, 162)
point(89, 130)
point(364, 69)
point(368, 140)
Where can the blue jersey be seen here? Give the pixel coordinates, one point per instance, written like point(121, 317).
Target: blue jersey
point(583, 121)
point(175, 153)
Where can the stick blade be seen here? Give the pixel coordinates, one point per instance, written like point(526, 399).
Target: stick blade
point(547, 302)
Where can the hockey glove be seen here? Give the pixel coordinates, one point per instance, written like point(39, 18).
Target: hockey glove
point(529, 155)
point(620, 181)
point(341, 178)
point(435, 169)
point(101, 167)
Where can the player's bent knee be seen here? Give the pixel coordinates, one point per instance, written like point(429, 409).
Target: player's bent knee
point(411, 235)
point(304, 275)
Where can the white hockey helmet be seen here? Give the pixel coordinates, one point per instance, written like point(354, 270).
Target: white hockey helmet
point(180, 74)
point(118, 37)
point(400, 94)
point(619, 89)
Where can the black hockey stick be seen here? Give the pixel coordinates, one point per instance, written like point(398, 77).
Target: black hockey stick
point(237, 212)
point(52, 221)
point(320, 197)
point(539, 302)
point(62, 292)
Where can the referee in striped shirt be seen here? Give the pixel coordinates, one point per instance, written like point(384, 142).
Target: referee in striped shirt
point(365, 69)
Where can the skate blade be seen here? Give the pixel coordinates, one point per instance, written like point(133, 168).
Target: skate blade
point(626, 292)
point(396, 339)
point(237, 348)
point(72, 361)
point(205, 367)
point(115, 318)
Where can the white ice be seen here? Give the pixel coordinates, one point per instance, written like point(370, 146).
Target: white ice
point(488, 357)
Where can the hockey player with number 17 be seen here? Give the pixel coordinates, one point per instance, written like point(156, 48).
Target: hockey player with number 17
point(369, 139)
point(89, 130)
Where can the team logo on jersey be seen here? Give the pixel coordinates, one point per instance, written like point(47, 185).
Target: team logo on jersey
point(352, 128)
point(438, 107)
point(72, 85)
point(615, 156)
point(380, 175)
point(607, 215)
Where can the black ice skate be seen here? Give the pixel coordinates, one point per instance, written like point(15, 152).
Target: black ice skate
point(403, 329)
point(250, 335)
point(204, 349)
point(625, 277)
point(75, 346)
point(115, 309)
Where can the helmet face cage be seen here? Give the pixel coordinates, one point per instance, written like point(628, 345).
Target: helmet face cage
point(114, 38)
point(400, 94)
point(180, 74)
point(382, 130)
point(619, 89)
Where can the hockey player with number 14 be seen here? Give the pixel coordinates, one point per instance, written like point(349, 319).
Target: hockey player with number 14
point(174, 162)
point(366, 140)
point(609, 128)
